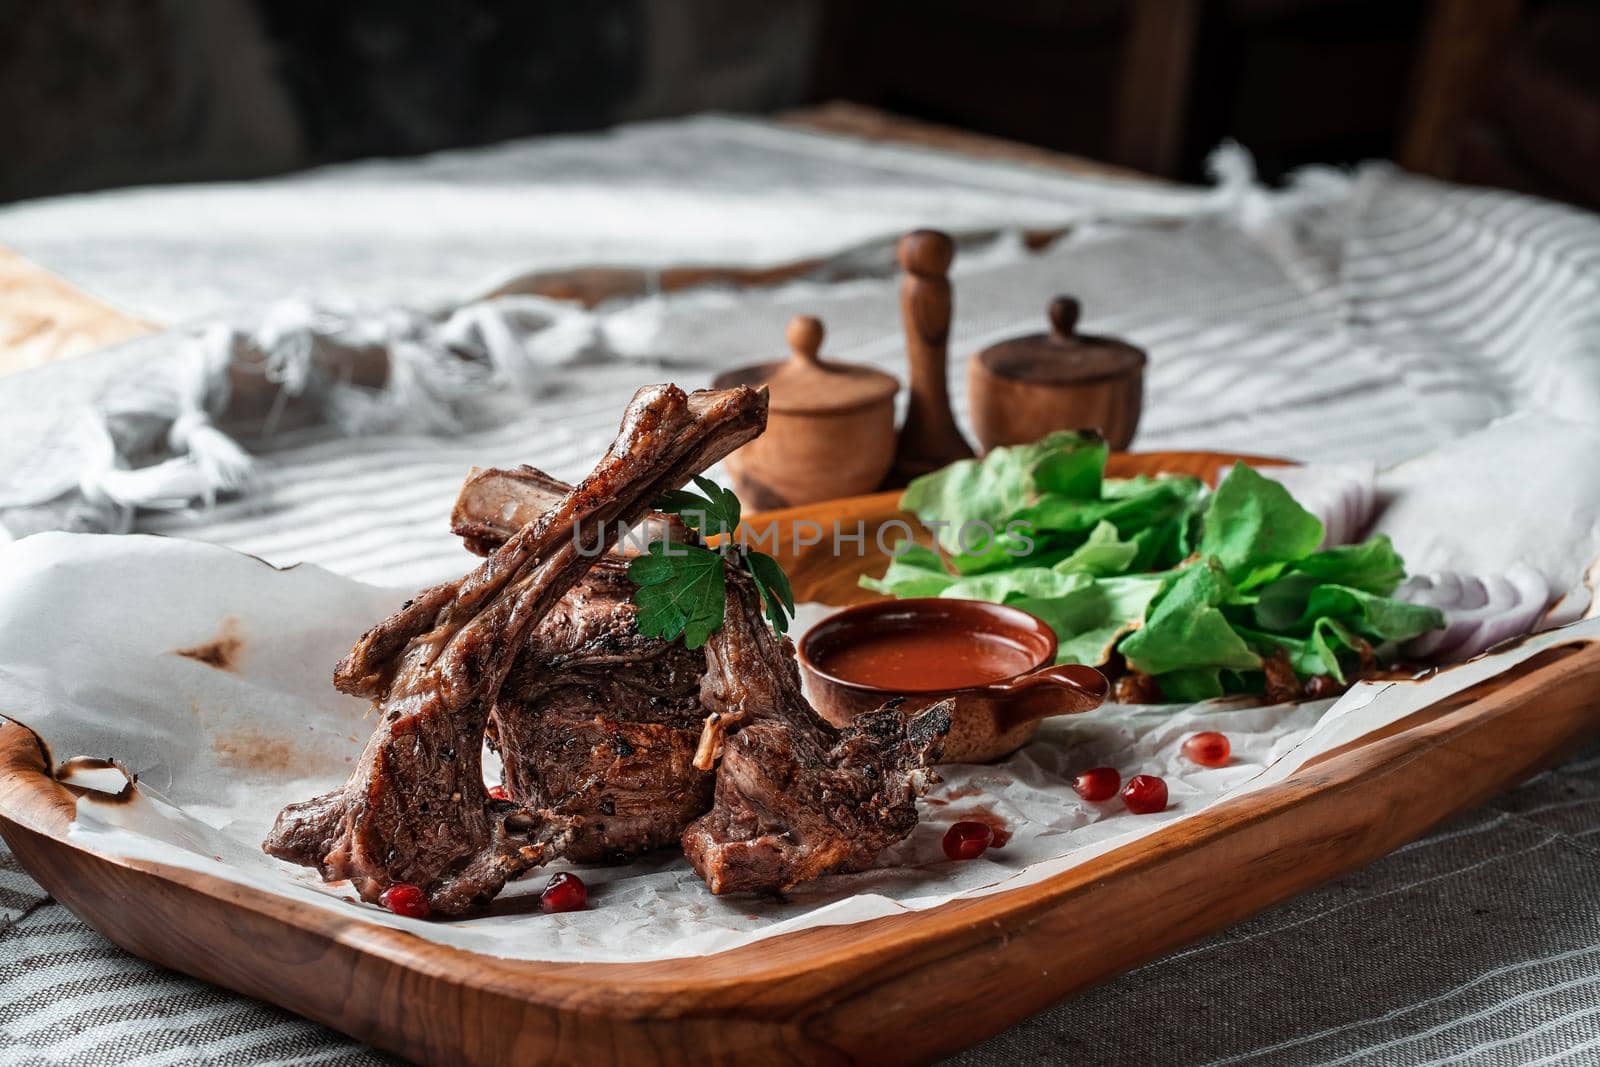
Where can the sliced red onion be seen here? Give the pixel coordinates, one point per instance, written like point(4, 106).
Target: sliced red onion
point(1479, 612)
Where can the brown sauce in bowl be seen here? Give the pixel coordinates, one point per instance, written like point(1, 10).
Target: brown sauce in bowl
point(925, 658)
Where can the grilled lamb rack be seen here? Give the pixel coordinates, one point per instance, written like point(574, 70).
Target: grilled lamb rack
point(414, 810)
point(796, 799)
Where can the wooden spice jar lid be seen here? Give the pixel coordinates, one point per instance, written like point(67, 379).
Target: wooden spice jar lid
point(830, 426)
point(806, 384)
point(1021, 389)
point(1063, 356)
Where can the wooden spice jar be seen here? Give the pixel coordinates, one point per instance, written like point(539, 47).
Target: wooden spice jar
point(1021, 389)
point(830, 426)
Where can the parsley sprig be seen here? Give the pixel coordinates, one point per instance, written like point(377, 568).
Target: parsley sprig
point(682, 591)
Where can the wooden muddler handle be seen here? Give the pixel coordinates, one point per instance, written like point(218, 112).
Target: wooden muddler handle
point(929, 439)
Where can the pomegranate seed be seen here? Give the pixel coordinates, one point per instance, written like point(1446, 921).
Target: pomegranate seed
point(1209, 749)
point(403, 898)
point(1098, 783)
point(1001, 837)
point(566, 892)
point(967, 840)
point(1145, 794)
point(497, 792)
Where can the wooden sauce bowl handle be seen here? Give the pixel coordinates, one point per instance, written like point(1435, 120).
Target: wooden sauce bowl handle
point(1054, 689)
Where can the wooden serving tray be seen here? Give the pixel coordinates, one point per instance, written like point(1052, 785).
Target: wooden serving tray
point(909, 988)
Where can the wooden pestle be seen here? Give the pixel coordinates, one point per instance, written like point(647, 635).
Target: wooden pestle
point(929, 439)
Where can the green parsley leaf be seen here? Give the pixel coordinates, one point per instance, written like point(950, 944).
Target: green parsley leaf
point(712, 515)
point(682, 592)
point(683, 588)
point(772, 585)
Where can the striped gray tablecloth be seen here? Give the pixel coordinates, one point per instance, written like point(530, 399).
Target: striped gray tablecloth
point(1381, 321)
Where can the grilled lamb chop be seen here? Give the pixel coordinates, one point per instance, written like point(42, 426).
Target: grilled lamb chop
point(595, 720)
point(599, 722)
point(797, 798)
point(414, 810)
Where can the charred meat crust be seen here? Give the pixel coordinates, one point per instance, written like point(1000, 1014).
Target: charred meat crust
point(609, 739)
point(600, 722)
point(414, 810)
point(796, 797)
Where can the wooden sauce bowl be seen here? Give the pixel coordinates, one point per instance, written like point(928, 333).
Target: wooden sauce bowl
point(993, 717)
point(1022, 389)
point(830, 426)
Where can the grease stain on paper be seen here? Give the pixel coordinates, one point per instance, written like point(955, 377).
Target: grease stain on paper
point(222, 652)
point(248, 749)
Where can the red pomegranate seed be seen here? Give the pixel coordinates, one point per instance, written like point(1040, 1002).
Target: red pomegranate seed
point(1097, 784)
point(497, 792)
point(566, 892)
point(967, 840)
point(1209, 749)
point(1145, 794)
point(403, 898)
point(1000, 837)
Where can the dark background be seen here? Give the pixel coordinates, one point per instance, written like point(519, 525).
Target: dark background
point(130, 91)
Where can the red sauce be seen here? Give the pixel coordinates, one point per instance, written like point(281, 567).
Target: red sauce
point(925, 659)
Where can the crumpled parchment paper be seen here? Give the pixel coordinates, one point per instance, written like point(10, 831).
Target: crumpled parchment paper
point(207, 673)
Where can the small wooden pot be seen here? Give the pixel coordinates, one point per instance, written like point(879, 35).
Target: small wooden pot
point(1022, 389)
point(989, 721)
point(830, 426)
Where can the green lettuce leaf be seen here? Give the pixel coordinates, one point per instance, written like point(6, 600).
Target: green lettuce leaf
point(1074, 467)
point(1253, 522)
point(1089, 620)
point(1374, 617)
point(1009, 547)
point(1104, 553)
point(1093, 557)
point(1003, 586)
point(994, 489)
point(1186, 628)
point(1192, 684)
point(1294, 603)
point(1372, 566)
point(1279, 605)
point(1130, 505)
point(1325, 651)
point(915, 571)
